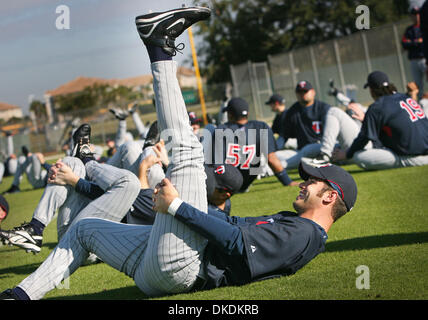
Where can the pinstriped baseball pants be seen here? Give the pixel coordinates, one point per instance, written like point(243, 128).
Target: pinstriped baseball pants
point(173, 257)
point(121, 187)
point(62, 198)
point(163, 258)
point(129, 156)
point(33, 169)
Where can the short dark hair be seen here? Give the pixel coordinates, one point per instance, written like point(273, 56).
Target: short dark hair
point(339, 208)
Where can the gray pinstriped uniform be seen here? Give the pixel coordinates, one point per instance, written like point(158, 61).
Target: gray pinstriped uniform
point(62, 198)
point(173, 256)
point(129, 156)
point(33, 169)
point(69, 203)
point(163, 258)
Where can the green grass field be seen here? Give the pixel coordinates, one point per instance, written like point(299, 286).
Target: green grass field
point(387, 231)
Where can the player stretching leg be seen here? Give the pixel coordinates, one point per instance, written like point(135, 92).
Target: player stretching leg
point(172, 260)
point(242, 250)
point(70, 203)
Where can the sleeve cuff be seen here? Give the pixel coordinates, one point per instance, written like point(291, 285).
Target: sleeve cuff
point(173, 207)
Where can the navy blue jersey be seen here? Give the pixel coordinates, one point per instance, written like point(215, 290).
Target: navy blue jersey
point(424, 28)
point(398, 122)
point(278, 124)
point(242, 146)
point(274, 245)
point(411, 41)
point(305, 123)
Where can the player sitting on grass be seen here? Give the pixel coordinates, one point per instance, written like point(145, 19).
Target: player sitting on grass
point(395, 124)
point(172, 256)
point(252, 139)
point(305, 121)
point(32, 165)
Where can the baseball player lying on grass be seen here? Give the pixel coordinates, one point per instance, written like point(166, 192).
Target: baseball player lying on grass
point(222, 182)
point(395, 124)
point(172, 256)
point(69, 201)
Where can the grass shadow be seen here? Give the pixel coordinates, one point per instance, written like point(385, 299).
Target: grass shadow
point(125, 293)
point(378, 241)
point(25, 269)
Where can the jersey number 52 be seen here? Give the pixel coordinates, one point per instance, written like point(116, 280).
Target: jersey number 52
point(414, 110)
point(236, 152)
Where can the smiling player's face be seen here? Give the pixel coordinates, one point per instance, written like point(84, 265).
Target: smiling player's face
point(2, 214)
point(308, 197)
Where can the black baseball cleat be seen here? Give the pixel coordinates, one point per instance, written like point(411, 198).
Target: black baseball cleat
point(162, 28)
point(119, 113)
point(12, 189)
point(82, 135)
point(8, 295)
point(23, 237)
point(153, 135)
point(81, 140)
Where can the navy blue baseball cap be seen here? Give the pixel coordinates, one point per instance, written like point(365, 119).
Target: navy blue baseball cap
point(237, 106)
point(338, 178)
point(275, 98)
point(377, 79)
point(304, 86)
point(4, 204)
point(223, 176)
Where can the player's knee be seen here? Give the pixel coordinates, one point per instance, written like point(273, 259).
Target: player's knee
point(76, 165)
point(131, 182)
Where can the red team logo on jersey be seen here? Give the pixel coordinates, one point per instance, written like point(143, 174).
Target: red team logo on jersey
point(220, 170)
point(316, 126)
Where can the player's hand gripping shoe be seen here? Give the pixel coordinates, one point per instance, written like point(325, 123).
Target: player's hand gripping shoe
point(23, 237)
point(162, 28)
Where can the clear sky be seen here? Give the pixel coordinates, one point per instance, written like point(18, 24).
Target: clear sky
point(102, 42)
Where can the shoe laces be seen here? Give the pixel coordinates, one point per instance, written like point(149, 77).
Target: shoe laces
point(178, 48)
point(23, 226)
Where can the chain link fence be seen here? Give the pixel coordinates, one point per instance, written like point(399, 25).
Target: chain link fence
point(346, 60)
point(49, 138)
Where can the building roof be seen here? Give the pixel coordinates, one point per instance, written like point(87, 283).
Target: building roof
point(81, 83)
point(6, 106)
